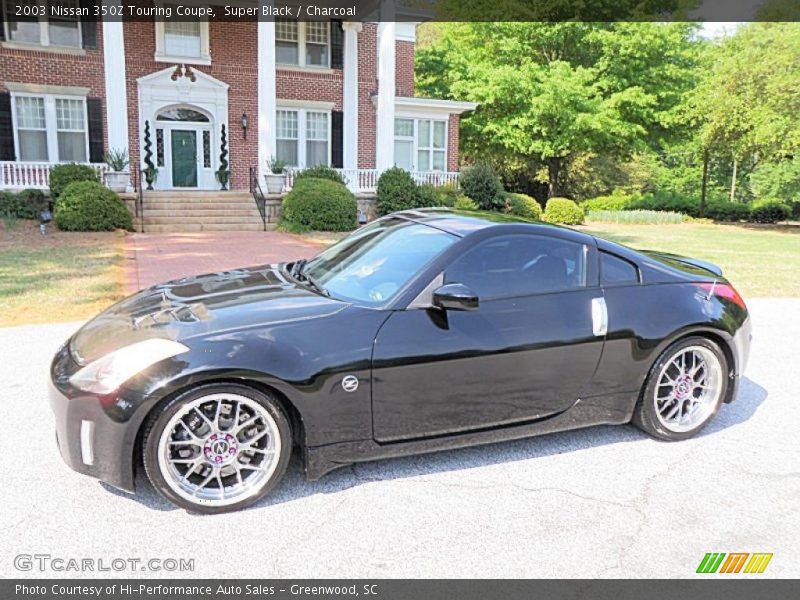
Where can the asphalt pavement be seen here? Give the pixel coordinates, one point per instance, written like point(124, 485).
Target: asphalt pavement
point(600, 502)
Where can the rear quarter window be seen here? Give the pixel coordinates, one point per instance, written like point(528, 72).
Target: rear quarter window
point(617, 271)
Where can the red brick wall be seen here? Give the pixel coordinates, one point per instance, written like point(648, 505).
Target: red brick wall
point(452, 143)
point(367, 85)
point(234, 57)
point(404, 68)
point(51, 68)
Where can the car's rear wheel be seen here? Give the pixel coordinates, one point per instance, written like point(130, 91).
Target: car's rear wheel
point(217, 448)
point(684, 390)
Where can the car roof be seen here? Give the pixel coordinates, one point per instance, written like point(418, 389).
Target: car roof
point(465, 222)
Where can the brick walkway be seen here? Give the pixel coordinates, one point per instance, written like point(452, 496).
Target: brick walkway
point(156, 257)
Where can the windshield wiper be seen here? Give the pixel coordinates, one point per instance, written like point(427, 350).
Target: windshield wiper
point(299, 272)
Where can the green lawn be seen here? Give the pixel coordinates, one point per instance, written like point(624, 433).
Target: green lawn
point(59, 277)
point(760, 261)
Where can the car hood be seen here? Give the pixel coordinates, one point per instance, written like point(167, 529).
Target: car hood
point(196, 306)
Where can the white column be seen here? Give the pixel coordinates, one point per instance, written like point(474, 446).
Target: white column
point(266, 90)
point(350, 96)
point(116, 91)
point(384, 151)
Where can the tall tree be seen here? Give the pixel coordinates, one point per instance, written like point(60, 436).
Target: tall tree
point(550, 90)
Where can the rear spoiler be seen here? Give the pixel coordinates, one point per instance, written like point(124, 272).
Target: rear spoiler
point(694, 262)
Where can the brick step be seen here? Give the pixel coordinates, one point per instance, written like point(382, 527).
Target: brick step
point(183, 205)
point(191, 227)
point(221, 219)
point(210, 199)
point(195, 194)
point(202, 212)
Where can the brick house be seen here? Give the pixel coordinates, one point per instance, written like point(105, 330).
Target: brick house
point(315, 92)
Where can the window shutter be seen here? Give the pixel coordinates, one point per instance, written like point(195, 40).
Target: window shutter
point(6, 129)
point(89, 26)
point(2, 25)
point(337, 45)
point(94, 108)
point(337, 139)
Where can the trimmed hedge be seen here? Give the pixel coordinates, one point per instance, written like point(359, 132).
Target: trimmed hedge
point(396, 191)
point(612, 202)
point(563, 211)
point(770, 212)
point(62, 175)
point(90, 206)
point(482, 184)
point(319, 205)
point(25, 205)
point(320, 172)
point(522, 205)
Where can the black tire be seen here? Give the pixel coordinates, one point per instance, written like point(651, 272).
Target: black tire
point(645, 415)
point(156, 423)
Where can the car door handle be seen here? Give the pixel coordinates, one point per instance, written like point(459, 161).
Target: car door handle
point(599, 316)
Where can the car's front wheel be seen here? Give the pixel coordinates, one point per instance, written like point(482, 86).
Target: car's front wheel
point(217, 448)
point(684, 390)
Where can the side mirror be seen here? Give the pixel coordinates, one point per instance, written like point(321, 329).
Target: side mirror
point(455, 296)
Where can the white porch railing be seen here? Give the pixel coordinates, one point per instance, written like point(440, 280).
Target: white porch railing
point(22, 175)
point(366, 180)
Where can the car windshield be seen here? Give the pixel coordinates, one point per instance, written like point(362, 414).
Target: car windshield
point(373, 264)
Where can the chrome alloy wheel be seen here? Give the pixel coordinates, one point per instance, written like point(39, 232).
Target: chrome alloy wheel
point(688, 389)
point(219, 449)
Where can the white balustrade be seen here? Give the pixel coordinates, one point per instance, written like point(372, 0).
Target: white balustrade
point(22, 175)
point(366, 180)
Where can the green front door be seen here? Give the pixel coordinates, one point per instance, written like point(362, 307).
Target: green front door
point(184, 158)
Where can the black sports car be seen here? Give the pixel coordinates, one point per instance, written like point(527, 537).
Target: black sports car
point(422, 331)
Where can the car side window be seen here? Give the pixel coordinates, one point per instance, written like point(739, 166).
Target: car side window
point(520, 265)
point(617, 271)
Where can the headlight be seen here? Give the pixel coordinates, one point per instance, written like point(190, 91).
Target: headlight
point(106, 374)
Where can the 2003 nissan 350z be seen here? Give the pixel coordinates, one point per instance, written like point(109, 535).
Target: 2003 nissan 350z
point(423, 331)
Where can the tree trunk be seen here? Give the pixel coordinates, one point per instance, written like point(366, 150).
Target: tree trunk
point(733, 179)
point(705, 185)
point(553, 172)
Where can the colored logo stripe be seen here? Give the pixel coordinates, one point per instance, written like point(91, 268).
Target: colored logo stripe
point(758, 562)
point(711, 562)
point(734, 562)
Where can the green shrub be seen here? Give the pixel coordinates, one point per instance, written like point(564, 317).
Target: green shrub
point(447, 194)
point(769, 212)
point(727, 211)
point(636, 217)
point(482, 184)
point(427, 196)
point(62, 175)
point(321, 172)
point(90, 206)
point(396, 191)
point(563, 211)
point(319, 205)
point(522, 205)
point(25, 205)
point(613, 202)
point(462, 202)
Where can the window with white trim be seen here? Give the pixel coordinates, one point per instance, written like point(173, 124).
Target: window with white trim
point(37, 24)
point(302, 43)
point(186, 41)
point(420, 144)
point(303, 137)
point(50, 128)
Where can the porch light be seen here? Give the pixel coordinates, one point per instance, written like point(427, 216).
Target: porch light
point(244, 124)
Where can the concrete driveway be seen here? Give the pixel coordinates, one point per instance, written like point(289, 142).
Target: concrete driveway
point(601, 502)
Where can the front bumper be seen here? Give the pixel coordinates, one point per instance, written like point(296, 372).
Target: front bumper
point(92, 434)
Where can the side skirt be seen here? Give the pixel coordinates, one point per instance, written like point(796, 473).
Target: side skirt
point(602, 410)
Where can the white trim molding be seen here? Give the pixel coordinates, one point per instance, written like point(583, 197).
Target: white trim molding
point(309, 104)
point(431, 107)
point(350, 95)
point(115, 80)
point(41, 88)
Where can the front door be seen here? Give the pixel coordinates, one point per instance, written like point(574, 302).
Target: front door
point(184, 158)
point(527, 352)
